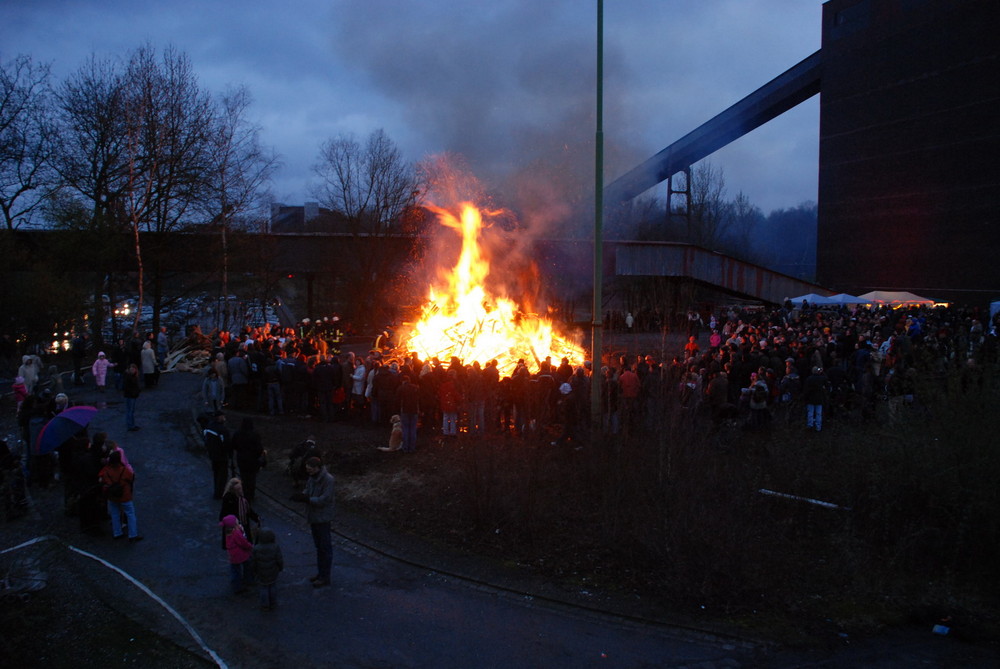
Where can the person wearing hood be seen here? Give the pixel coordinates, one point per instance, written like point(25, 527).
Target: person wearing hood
point(100, 371)
point(29, 371)
point(240, 549)
point(267, 563)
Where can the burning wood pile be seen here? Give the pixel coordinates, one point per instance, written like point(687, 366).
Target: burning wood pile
point(462, 319)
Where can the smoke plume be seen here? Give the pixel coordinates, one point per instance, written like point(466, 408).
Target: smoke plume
point(509, 86)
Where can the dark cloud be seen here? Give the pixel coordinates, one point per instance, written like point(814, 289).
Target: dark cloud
point(508, 83)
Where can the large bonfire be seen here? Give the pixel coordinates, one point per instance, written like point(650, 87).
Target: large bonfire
point(461, 318)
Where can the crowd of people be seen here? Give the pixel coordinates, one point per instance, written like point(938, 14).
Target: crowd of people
point(98, 482)
point(798, 361)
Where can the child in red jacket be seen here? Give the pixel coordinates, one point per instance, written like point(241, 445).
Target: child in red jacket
point(20, 391)
point(240, 550)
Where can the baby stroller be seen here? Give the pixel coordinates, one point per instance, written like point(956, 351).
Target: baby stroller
point(297, 461)
point(15, 499)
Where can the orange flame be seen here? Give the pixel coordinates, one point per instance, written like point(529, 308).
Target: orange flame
point(462, 319)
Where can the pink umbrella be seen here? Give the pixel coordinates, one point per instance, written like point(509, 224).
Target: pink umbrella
point(64, 425)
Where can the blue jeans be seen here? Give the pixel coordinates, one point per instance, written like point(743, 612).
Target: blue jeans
point(449, 423)
point(611, 422)
point(409, 423)
point(239, 576)
point(130, 412)
point(814, 416)
point(275, 406)
point(325, 400)
point(268, 597)
point(324, 549)
point(477, 417)
point(115, 511)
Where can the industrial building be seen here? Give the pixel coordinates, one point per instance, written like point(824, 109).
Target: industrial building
point(909, 174)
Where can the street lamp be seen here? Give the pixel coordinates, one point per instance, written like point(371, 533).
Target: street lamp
point(597, 323)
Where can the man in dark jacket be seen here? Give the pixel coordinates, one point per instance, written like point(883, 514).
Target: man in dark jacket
point(325, 383)
point(249, 451)
point(409, 412)
point(318, 495)
point(78, 349)
point(815, 393)
point(239, 379)
point(217, 443)
point(717, 395)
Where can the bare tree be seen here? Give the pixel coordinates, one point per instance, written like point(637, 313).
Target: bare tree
point(746, 220)
point(26, 139)
point(238, 170)
point(372, 186)
point(711, 213)
point(787, 240)
point(94, 137)
point(169, 120)
point(369, 183)
point(92, 162)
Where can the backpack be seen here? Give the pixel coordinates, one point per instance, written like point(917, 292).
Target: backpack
point(116, 490)
point(759, 394)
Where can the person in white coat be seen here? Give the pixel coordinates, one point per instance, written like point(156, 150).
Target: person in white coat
point(358, 378)
point(149, 367)
point(100, 371)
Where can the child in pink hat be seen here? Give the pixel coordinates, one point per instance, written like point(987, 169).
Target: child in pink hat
point(240, 550)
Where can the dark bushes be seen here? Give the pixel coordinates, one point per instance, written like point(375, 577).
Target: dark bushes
point(676, 513)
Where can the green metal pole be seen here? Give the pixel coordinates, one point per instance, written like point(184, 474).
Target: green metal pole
point(597, 324)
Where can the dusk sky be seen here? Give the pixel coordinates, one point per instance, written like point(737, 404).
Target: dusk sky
point(505, 84)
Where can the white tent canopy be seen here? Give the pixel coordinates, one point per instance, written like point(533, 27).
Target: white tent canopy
point(812, 298)
point(891, 298)
point(896, 298)
point(844, 298)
